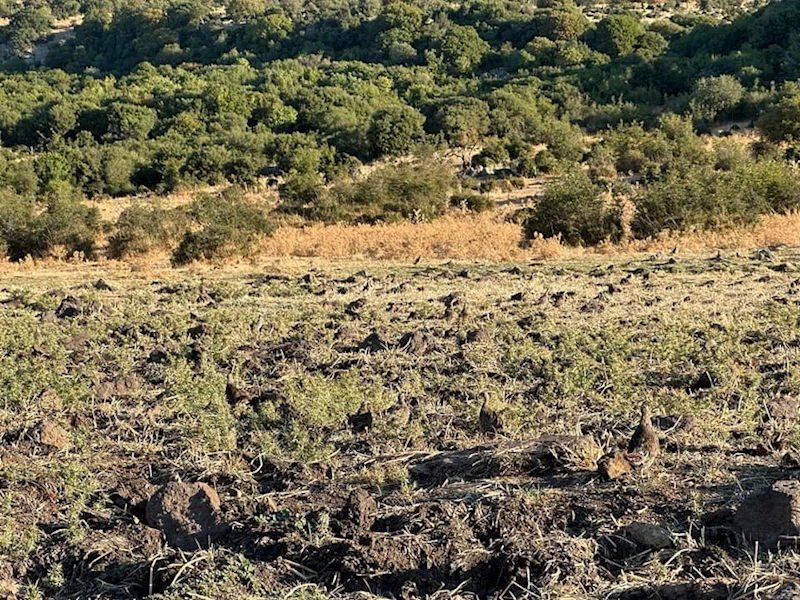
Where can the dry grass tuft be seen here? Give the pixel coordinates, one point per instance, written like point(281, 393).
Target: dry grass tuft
point(489, 237)
point(453, 236)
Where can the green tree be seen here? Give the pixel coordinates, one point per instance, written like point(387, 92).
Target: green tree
point(395, 130)
point(463, 121)
point(617, 35)
point(266, 31)
point(566, 24)
point(403, 16)
point(242, 10)
point(129, 121)
point(27, 26)
point(462, 48)
point(780, 122)
point(713, 95)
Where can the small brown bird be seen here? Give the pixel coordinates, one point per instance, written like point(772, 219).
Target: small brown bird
point(489, 421)
point(643, 449)
point(398, 416)
point(361, 421)
point(235, 395)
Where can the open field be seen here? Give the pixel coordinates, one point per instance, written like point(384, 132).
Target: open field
point(249, 380)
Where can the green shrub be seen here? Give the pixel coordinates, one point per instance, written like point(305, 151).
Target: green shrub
point(396, 192)
point(574, 209)
point(563, 140)
point(527, 167)
point(545, 161)
point(617, 35)
point(31, 228)
point(697, 198)
point(730, 156)
point(222, 225)
point(780, 122)
point(777, 183)
point(472, 202)
point(141, 229)
point(714, 95)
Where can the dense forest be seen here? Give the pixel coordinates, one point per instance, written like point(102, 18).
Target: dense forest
point(611, 103)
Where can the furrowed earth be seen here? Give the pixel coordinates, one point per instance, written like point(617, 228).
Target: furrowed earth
point(313, 432)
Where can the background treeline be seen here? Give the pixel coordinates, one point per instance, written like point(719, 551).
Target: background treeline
point(155, 96)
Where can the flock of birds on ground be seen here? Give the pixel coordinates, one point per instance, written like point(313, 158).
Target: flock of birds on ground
point(641, 452)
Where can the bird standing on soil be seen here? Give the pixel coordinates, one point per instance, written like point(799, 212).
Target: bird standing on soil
point(398, 416)
point(361, 421)
point(643, 448)
point(489, 421)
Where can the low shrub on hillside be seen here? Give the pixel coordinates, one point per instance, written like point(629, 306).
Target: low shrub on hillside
point(472, 202)
point(393, 193)
point(574, 209)
point(698, 198)
point(221, 225)
point(37, 228)
point(778, 183)
point(141, 229)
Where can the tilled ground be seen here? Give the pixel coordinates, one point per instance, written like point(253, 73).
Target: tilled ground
point(189, 438)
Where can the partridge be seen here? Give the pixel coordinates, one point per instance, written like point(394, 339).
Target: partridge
point(398, 416)
point(361, 421)
point(489, 421)
point(643, 448)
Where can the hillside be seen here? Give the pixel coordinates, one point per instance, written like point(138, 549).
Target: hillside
point(340, 113)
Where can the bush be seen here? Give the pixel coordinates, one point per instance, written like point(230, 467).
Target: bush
point(545, 161)
point(617, 35)
point(777, 183)
point(141, 229)
point(780, 122)
point(223, 225)
point(472, 202)
point(563, 140)
point(574, 209)
point(418, 192)
point(714, 95)
point(698, 198)
point(30, 228)
point(527, 167)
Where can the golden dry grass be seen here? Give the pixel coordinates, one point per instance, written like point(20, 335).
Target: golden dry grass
point(489, 237)
point(457, 236)
point(453, 236)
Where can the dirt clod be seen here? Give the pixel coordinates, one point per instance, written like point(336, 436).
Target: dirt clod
point(69, 308)
point(361, 509)
point(649, 536)
point(187, 513)
point(767, 515)
point(374, 342)
point(415, 343)
point(121, 387)
point(614, 466)
point(52, 436)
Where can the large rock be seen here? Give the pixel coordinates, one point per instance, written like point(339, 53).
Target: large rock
point(187, 513)
point(766, 516)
